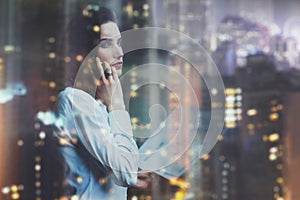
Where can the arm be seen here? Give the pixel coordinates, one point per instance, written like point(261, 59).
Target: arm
point(107, 137)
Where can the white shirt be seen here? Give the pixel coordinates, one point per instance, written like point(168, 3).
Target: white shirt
point(100, 156)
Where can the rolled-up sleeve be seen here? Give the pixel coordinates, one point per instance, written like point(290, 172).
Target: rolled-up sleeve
point(107, 136)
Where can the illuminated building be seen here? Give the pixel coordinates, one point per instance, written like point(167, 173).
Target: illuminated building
point(259, 73)
point(261, 144)
point(285, 52)
point(247, 162)
point(252, 140)
point(291, 52)
point(220, 167)
point(277, 47)
point(261, 137)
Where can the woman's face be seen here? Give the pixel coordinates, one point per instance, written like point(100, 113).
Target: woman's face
point(109, 49)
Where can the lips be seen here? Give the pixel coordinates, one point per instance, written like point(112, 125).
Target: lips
point(118, 65)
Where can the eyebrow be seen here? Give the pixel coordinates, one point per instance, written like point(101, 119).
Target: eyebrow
point(110, 39)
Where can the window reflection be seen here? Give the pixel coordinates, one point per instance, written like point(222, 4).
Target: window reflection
point(254, 46)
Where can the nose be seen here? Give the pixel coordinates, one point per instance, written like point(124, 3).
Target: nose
point(118, 52)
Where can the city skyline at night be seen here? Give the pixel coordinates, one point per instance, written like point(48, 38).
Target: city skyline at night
point(257, 55)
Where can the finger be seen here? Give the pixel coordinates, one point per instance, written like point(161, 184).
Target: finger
point(99, 65)
point(143, 175)
point(96, 81)
point(140, 184)
point(109, 73)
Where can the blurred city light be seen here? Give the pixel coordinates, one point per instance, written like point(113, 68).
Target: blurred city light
point(12, 90)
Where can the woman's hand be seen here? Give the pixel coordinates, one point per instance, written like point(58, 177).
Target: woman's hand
point(146, 180)
point(109, 89)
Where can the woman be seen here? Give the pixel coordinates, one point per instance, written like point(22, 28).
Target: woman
point(100, 155)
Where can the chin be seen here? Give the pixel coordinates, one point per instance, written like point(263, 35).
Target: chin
point(119, 72)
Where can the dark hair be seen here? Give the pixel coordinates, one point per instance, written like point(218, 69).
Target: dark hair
point(105, 15)
point(81, 37)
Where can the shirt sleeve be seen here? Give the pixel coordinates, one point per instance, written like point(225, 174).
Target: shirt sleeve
point(107, 137)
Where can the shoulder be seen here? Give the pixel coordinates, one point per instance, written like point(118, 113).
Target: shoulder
point(74, 95)
point(71, 93)
point(77, 99)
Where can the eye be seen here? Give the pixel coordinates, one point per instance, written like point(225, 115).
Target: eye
point(106, 43)
point(119, 42)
